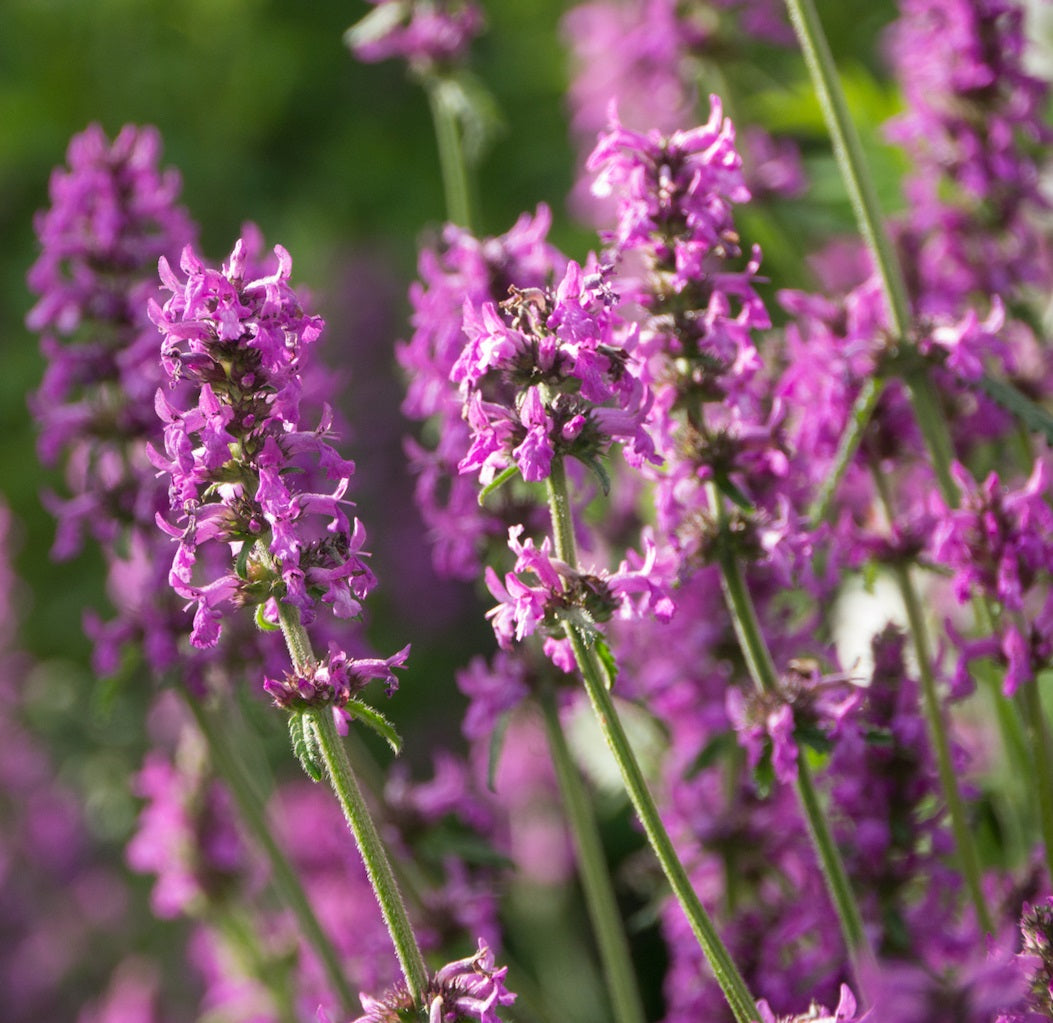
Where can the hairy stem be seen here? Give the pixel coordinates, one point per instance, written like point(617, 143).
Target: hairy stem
point(359, 820)
point(728, 977)
point(765, 677)
point(252, 813)
point(607, 923)
point(452, 161)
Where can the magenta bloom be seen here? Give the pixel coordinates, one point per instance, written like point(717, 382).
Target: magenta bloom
point(674, 192)
point(422, 32)
point(543, 593)
point(469, 990)
point(113, 214)
point(548, 373)
point(999, 546)
point(244, 470)
point(461, 269)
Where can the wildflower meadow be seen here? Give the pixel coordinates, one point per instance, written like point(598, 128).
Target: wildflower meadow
point(527, 512)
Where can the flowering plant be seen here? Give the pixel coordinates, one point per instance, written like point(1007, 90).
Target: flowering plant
point(750, 483)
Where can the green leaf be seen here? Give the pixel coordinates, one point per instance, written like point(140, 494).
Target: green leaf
point(814, 738)
point(446, 841)
point(1014, 401)
point(606, 658)
point(497, 742)
point(495, 484)
point(716, 749)
point(374, 719)
point(731, 491)
point(304, 745)
point(601, 473)
point(241, 565)
point(764, 775)
point(261, 623)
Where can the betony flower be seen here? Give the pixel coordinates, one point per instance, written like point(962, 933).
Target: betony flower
point(461, 269)
point(548, 373)
point(998, 546)
point(543, 593)
point(422, 32)
point(469, 990)
point(244, 470)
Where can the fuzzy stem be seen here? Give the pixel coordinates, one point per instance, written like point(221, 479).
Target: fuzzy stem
point(253, 815)
point(381, 876)
point(595, 878)
point(861, 414)
point(1036, 721)
point(968, 857)
point(728, 977)
point(765, 677)
point(850, 159)
point(451, 153)
point(356, 812)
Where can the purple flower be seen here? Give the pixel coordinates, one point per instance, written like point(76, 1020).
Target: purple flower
point(186, 837)
point(998, 545)
point(493, 689)
point(643, 55)
point(975, 129)
point(543, 593)
point(113, 214)
point(674, 192)
point(548, 374)
point(334, 681)
point(422, 32)
point(244, 471)
point(462, 269)
point(470, 989)
point(844, 1013)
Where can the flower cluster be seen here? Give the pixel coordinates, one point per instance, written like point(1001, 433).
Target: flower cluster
point(563, 596)
point(334, 681)
point(999, 545)
point(1036, 928)
point(809, 707)
point(461, 269)
point(974, 128)
point(548, 374)
point(421, 32)
point(113, 214)
point(240, 462)
point(469, 990)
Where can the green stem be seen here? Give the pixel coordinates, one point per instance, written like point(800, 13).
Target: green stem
point(968, 857)
point(252, 814)
point(245, 944)
point(851, 438)
point(765, 677)
point(851, 161)
point(595, 877)
point(378, 868)
point(451, 153)
point(1036, 721)
point(727, 975)
point(356, 812)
